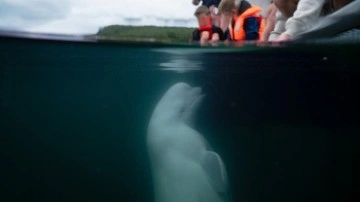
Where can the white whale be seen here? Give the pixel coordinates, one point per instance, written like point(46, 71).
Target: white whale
point(184, 168)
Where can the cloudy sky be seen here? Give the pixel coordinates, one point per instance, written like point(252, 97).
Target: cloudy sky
point(87, 16)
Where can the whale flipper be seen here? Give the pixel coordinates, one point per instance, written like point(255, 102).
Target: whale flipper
point(215, 171)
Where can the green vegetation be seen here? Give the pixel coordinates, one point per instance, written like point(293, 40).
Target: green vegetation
point(145, 33)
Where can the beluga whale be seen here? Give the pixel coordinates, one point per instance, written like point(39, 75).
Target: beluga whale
point(184, 167)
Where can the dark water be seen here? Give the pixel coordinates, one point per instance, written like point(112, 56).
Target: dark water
point(73, 118)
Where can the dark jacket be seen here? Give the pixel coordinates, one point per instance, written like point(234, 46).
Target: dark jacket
point(215, 29)
point(209, 3)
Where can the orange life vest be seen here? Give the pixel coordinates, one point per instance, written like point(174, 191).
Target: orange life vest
point(237, 32)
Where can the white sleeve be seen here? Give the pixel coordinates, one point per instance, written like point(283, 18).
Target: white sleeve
point(279, 26)
point(306, 14)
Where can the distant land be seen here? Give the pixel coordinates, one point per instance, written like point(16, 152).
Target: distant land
point(145, 33)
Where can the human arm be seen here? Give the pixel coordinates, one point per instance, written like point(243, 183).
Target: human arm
point(270, 22)
point(204, 37)
point(306, 13)
point(279, 26)
point(215, 37)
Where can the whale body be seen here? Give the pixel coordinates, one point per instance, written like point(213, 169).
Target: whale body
point(184, 168)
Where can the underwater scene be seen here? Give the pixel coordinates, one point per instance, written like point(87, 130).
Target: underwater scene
point(107, 121)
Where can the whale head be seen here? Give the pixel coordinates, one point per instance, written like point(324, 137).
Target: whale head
point(180, 103)
point(179, 155)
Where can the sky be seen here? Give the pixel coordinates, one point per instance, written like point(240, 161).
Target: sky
point(87, 16)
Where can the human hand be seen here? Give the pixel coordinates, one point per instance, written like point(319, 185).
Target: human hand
point(283, 37)
point(215, 38)
point(204, 37)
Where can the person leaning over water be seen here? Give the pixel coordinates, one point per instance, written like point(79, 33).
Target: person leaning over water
point(206, 32)
point(294, 17)
point(213, 7)
point(246, 22)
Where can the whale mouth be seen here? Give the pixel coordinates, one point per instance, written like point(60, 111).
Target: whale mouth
point(197, 101)
point(190, 113)
point(198, 95)
point(191, 110)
